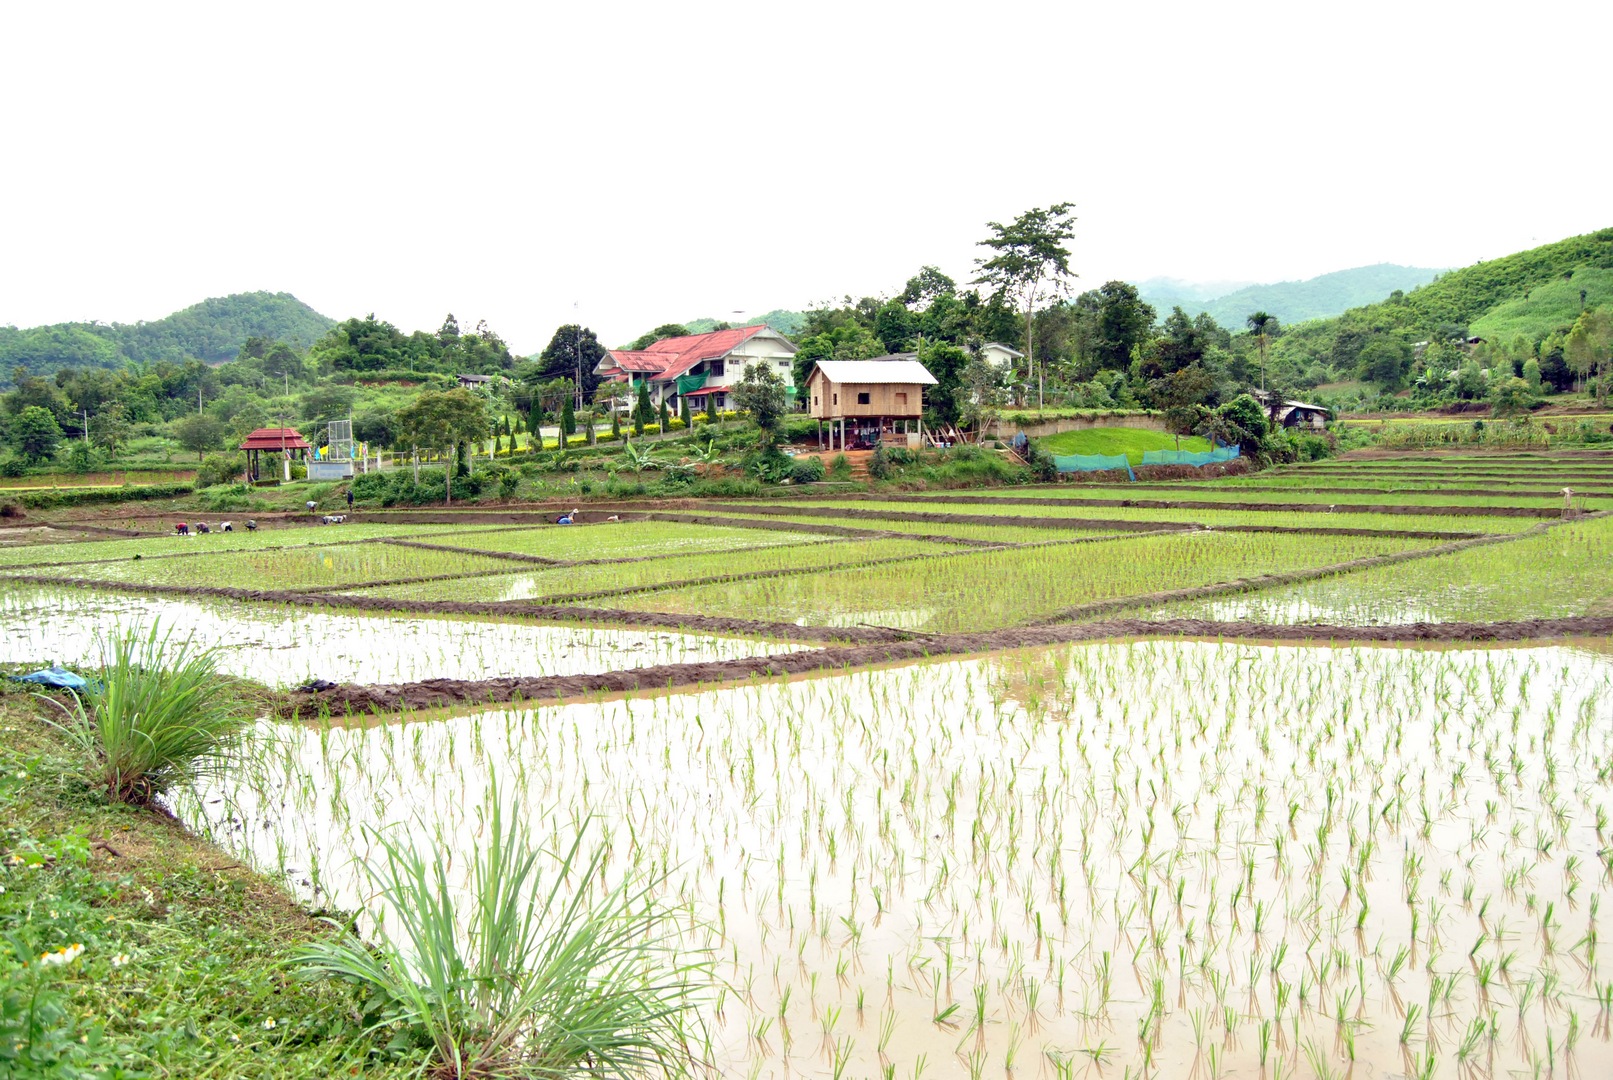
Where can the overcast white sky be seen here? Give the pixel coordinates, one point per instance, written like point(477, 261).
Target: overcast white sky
point(643, 163)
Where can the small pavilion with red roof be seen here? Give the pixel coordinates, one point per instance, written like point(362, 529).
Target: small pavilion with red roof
point(699, 366)
point(286, 441)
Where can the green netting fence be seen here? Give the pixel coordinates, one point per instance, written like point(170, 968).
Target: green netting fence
point(1188, 457)
point(1093, 463)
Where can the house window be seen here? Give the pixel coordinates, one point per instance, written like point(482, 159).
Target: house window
point(901, 401)
point(862, 399)
point(814, 399)
point(837, 399)
point(714, 367)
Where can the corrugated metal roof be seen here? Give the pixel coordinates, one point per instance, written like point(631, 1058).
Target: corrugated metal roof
point(671, 357)
point(876, 371)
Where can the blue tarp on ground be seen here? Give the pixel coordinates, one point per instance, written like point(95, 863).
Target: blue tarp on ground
point(1093, 463)
point(54, 676)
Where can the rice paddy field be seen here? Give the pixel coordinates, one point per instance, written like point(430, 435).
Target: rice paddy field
point(965, 784)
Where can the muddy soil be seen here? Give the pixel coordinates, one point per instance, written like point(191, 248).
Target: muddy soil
point(1106, 524)
point(1440, 510)
point(434, 693)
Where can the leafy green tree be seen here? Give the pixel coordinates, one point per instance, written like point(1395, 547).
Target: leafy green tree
point(1383, 360)
point(35, 434)
point(448, 419)
point(1531, 374)
point(761, 393)
point(1124, 322)
point(1240, 422)
point(894, 326)
point(980, 393)
point(1510, 397)
point(110, 430)
point(1030, 266)
point(199, 433)
point(572, 353)
point(1180, 395)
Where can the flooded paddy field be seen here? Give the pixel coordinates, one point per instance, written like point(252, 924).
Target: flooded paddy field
point(1162, 857)
point(1159, 858)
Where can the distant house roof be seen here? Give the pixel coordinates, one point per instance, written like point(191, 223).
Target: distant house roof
point(273, 438)
point(899, 368)
point(475, 378)
point(1010, 350)
point(674, 356)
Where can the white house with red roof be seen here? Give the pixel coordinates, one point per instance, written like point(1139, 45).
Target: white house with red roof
point(700, 366)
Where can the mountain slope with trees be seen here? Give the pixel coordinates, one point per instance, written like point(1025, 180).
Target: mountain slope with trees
point(1529, 301)
point(211, 331)
point(1289, 301)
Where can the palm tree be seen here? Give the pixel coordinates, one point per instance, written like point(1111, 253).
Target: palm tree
point(1262, 326)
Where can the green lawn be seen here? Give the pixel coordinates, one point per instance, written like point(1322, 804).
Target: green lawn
point(1118, 440)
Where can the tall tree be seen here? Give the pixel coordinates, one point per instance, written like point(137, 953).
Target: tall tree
point(572, 354)
point(35, 433)
point(1264, 328)
point(1030, 266)
point(761, 393)
point(444, 420)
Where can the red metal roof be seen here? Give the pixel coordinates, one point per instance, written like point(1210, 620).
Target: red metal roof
point(671, 357)
point(273, 438)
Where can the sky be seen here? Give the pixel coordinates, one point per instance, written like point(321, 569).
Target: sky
point(626, 165)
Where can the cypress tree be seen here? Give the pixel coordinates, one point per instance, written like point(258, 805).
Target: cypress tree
point(683, 411)
point(641, 409)
point(615, 423)
point(568, 421)
point(666, 418)
point(711, 408)
point(534, 426)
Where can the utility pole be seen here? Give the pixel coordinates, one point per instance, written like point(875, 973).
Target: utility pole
point(86, 426)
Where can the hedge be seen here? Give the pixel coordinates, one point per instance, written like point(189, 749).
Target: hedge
point(46, 500)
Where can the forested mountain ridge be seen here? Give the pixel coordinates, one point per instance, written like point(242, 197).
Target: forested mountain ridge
point(1290, 301)
point(1519, 292)
point(212, 331)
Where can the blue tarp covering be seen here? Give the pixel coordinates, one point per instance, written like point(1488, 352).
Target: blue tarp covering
point(54, 676)
point(1187, 457)
point(1093, 463)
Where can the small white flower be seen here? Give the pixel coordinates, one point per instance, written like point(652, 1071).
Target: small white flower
point(269, 1024)
point(120, 959)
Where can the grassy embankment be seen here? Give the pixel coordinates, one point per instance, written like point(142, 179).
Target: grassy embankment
point(1119, 440)
point(183, 962)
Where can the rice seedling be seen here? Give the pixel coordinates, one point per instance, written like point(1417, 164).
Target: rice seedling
point(513, 979)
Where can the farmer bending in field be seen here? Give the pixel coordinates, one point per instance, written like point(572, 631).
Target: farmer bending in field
point(568, 519)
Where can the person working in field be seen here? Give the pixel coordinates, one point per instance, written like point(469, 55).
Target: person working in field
point(568, 519)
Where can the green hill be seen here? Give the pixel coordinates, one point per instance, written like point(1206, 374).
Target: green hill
point(212, 330)
point(1317, 297)
point(1534, 292)
point(788, 323)
point(1547, 308)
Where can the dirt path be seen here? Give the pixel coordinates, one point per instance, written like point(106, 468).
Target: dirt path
point(434, 693)
point(1439, 510)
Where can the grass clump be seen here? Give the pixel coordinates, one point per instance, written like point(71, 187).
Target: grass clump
point(156, 716)
point(514, 980)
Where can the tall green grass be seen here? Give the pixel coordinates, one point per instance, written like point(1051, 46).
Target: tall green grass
point(508, 979)
point(156, 716)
